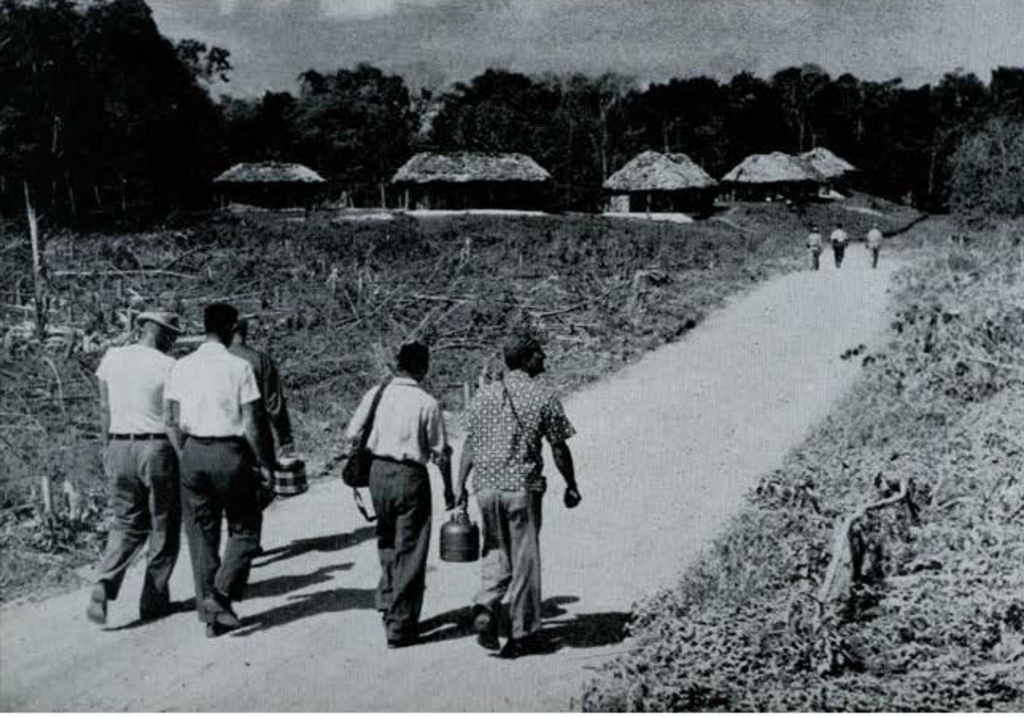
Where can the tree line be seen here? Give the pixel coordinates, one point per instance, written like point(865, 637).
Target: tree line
point(102, 113)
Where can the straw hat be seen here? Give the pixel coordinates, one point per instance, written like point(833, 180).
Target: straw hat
point(166, 319)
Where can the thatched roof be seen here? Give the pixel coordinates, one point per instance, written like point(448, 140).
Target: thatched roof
point(657, 172)
point(827, 164)
point(270, 173)
point(461, 167)
point(771, 168)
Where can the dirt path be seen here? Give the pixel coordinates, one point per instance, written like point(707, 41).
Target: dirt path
point(665, 451)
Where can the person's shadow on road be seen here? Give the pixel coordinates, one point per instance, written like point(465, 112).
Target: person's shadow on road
point(306, 605)
point(284, 584)
point(319, 544)
point(579, 631)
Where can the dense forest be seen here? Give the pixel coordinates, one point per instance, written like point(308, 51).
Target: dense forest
point(102, 116)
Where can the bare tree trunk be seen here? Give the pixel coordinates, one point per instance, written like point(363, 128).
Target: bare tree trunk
point(33, 231)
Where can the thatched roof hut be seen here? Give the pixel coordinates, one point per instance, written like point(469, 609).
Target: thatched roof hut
point(479, 180)
point(657, 182)
point(465, 167)
point(270, 184)
point(827, 164)
point(269, 173)
point(764, 176)
point(657, 172)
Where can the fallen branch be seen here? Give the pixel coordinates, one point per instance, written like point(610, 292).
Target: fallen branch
point(842, 541)
point(121, 272)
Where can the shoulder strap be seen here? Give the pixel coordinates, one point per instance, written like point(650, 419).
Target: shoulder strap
point(372, 415)
point(515, 413)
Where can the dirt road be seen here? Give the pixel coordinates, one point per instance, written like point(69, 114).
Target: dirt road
point(665, 451)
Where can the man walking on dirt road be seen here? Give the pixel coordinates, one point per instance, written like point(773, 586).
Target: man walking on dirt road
point(504, 428)
point(213, 405)
point(141, 465)
point(407, 430)
point(274, 416)
point(815, 246)
point(874, 241)
point(839, 239)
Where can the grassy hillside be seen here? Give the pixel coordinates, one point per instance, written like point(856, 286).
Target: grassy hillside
point(334, 294)
point(920, 604)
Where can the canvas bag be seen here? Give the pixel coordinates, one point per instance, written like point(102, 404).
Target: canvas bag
point(356, 471)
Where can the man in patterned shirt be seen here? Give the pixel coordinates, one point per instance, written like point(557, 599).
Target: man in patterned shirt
point(504, 428)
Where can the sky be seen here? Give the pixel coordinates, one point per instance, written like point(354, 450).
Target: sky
point(434, 42)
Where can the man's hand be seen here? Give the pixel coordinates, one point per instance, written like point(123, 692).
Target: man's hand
point(449, 499)
point(462, 499)
point(572, 497)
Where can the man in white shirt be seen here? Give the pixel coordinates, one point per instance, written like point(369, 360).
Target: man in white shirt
point(407, 432)
point(213, 400)
point(141, 465)
point(839, 239)
point(874, 241)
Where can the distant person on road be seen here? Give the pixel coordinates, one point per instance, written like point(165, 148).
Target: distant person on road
point(815, 244)
point(874, 241)
point(141, 466)
point(839, 239)
point(408, 431)
point(505, 425)
point(213, 401)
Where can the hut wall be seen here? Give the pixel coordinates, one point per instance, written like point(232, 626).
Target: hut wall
point(476, 195)
point(686, 201)
point(273, 196)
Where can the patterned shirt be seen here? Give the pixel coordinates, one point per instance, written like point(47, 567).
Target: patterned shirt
point(505, 425)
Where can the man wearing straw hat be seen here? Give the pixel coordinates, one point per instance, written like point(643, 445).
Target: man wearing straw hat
point(504, 428)
point(142, 466)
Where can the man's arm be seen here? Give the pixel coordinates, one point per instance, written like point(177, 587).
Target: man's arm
point(256, 433)
point(563, 461)
point(465, 466)
point(172, 421)
point(104, 413)
point(444, 464)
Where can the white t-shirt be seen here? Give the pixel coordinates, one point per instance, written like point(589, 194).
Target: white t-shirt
point(408, 425)
point(135, 376)
point(839, 237)
point(874, 239)
point(211, 385)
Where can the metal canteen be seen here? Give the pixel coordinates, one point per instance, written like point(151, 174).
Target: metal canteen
point(460, 539)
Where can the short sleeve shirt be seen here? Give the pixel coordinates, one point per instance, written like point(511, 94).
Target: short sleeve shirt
point(814, 240)
point(211, 385)
point(874, 239)
point(408, 425)
point(839, 237)
point(505, 426)
point(135, 376)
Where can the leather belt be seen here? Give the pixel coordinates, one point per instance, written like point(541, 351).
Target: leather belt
point(215, 439)
point(138, 436)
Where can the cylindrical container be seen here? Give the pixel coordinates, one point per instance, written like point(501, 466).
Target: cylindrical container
point(460, 539)
point(290, 478)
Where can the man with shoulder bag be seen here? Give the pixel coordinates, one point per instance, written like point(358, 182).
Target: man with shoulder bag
point(395, 431)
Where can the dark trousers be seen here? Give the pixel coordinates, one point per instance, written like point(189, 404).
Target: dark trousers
point(401, 498)
point(838, 250)
point(815, 259)
point(218, 480)
point(874, 257)
point(144, 494)
point(511, 556)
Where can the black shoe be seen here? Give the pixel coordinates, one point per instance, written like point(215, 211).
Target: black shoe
point(396, 643)
point(520, 647)
point(219, 612)
point(486, 628)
